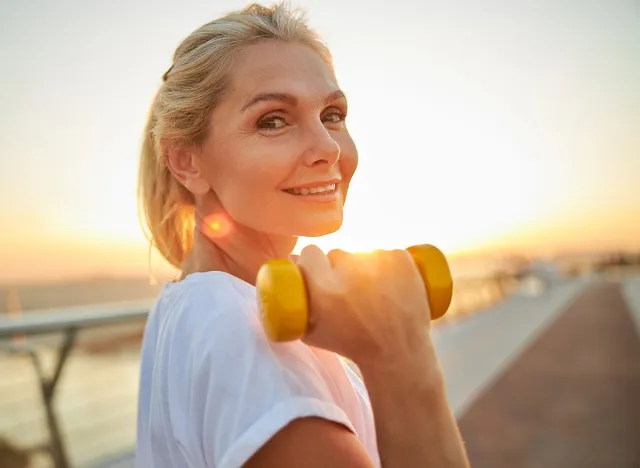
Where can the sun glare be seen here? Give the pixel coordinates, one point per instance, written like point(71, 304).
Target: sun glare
point(216, 226)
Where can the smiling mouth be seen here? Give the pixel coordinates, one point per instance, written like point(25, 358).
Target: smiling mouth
point(310, 191)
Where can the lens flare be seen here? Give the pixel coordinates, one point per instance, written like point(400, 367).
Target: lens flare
point(216, 226)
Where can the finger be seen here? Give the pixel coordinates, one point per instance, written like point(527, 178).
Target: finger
point(369, 264)
point(339, 258)
point(399, 262)
point(316, 271)
point(314, 262)
point(404, 265)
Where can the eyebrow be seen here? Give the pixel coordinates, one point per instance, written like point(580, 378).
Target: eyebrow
point(287, 98)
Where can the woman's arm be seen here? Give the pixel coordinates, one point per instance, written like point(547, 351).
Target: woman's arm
point(414, 423)
point(312, 443)
point(414, 426)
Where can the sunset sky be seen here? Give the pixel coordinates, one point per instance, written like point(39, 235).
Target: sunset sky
point(482, 127)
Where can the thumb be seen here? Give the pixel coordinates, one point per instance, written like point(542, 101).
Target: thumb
point(316, 270)
point(314, 264)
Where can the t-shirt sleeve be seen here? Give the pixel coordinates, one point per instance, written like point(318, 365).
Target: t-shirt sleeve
point(235, 389)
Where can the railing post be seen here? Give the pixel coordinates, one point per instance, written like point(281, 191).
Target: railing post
point(47, 388)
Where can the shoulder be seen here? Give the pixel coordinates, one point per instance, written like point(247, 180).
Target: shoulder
point(205, 300)
point(212, 327)
point(227, 383)
point(213, 319)
point(206, 312)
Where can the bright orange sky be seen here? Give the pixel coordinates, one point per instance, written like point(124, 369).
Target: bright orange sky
point(513, 127)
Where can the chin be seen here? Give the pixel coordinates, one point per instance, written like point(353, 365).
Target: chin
point(317, 228)
point(324, 230)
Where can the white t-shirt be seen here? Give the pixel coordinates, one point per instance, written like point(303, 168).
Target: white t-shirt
point(214, 388)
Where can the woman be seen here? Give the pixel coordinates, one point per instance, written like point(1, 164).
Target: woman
point(246, 148)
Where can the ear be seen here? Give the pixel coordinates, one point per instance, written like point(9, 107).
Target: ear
point(183, 164)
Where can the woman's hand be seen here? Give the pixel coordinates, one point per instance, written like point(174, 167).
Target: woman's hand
point(373, 309)
point(370, 308)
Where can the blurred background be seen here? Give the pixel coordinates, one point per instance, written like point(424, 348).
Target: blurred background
point(506, 133)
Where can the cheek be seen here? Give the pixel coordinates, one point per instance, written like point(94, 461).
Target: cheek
point(244, 178)
point(250, 181)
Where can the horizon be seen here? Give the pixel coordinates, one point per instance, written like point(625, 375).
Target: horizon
point(493, 129)
point(160, 276)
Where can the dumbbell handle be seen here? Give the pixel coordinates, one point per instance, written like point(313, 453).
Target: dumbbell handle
point(283, 301)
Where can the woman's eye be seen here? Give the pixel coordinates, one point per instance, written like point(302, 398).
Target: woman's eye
point(334, 117)
point(273, 122)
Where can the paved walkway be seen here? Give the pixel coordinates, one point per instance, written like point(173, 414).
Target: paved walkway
point(476, 350)
point(571, 399)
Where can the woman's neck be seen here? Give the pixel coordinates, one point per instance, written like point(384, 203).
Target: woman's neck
point(237, 250)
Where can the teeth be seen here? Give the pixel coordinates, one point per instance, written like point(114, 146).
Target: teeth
point(312, 190)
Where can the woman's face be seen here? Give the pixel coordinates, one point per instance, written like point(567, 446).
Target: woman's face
point(278, 155)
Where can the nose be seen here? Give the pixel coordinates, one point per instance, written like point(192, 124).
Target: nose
point(322, 149)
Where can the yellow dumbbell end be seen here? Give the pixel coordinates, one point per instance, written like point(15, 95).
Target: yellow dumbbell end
point(282, 300)
point(436, 275)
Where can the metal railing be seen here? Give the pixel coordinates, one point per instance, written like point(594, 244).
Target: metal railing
point(68, 322)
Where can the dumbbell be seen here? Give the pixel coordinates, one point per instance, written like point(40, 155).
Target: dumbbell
point(284, 305)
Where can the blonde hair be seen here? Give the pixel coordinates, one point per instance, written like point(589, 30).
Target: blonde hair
point(180, 112)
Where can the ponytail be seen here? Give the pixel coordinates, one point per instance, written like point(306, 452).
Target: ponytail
point(166, 205)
